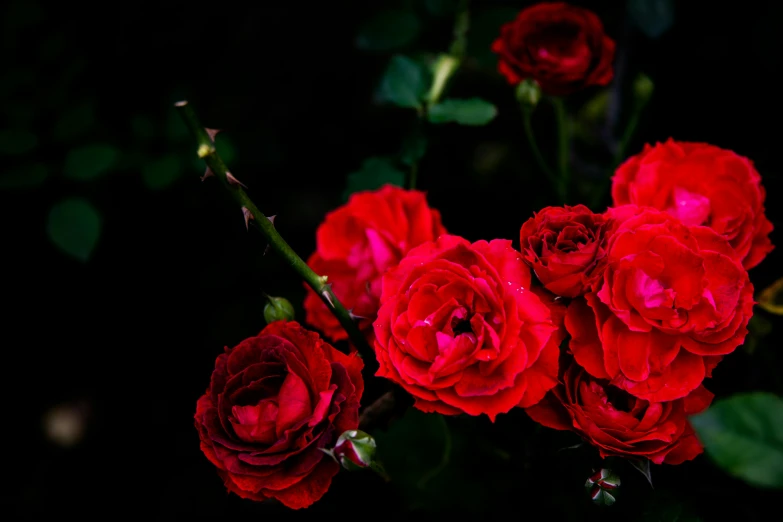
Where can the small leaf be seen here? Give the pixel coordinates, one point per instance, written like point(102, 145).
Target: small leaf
point(743, 435)
point(161, 173)
point(388, 30)
point(25, 176)
point(74, 122)
point(374, 173)
point(771, 298)
point(86, 163)
point(404, 83)
point(652, 17)
point(14, 142)
point(473, 111)
point(74, 226)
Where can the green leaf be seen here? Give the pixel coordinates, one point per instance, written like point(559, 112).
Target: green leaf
point(404, 83)
point(162, 172)
point(652, 17)
point(15, 142)
point(89, 162)
point(743, 435)
point(74, 122)
point(74, 226)
point(388, 30)
point(472, 111)
point(373, 174)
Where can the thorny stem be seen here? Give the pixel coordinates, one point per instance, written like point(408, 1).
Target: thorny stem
point(207, 151)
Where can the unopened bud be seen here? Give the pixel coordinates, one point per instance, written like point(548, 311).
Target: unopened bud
point(529, 93)
point(643, 88)
point(602, 487)
point(355, 450)
point(278, 309)
point(444, 67)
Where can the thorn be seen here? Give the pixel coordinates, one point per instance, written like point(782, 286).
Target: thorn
point(212, 133)
point(267, 248)
point(271, 219)
point(234, 181)
point(181, 103)
point(207, 174)
point(326, 292)
point(354, 316)
point(248, 216)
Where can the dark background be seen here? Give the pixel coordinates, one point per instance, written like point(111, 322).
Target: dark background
point(129, 337)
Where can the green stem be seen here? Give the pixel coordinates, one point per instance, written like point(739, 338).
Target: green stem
point(625, 140)
point(410, 184)
point(207, 151)
point(563, 149)
point(527, 122)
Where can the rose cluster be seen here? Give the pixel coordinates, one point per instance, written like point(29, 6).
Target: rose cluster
point(606, 324)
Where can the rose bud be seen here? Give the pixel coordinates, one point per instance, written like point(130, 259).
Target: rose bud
point(529, 93)
point(278, 309)
point(355, 450)
point(602, 486)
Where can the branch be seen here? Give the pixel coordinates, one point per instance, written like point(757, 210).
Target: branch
point(215, 166)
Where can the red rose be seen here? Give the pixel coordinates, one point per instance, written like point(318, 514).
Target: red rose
point(619, 424)
point(355, 245)
point(702, 185)
point(274, 401)
point(564, 246)
point(561, 46)
point(461, 331)
point(671, 303)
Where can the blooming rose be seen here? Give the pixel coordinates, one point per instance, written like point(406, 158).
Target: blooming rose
point(561, 46)
point(460, 330)
point(702, 185)
point(618, 423)
point(672, 301)
point(357, 242)
point(564, 246)
point(274, 401)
